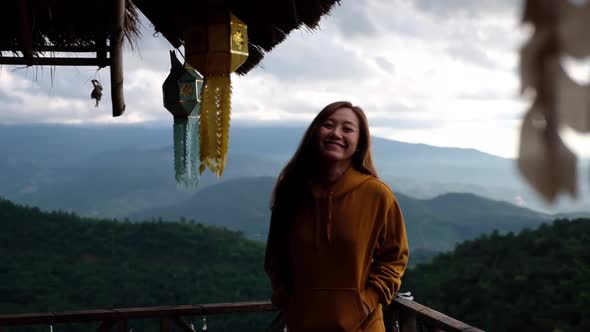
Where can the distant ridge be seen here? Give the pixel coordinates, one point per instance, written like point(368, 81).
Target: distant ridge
point(115, 171)
point(243, 204)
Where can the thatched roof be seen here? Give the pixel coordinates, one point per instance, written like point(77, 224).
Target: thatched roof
point(61, 25)
point(269, 21)
point(71, 25)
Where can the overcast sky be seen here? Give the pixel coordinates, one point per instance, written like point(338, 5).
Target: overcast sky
point(437, 72)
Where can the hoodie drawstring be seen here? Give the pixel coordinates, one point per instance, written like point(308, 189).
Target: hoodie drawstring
point(318, 224)
point(329, 223)
point(316, 228)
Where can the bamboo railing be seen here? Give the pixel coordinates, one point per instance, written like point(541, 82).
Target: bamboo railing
point(403, 315)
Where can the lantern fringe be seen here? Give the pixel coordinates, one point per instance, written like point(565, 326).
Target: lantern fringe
point(206, 124)
point(214, 123)
point(186, 151)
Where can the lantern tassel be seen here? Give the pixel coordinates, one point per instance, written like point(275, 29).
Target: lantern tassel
point(186, 151)
point(214, 122)
point(224, 122)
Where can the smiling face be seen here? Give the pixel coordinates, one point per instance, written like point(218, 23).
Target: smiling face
point(338, 136)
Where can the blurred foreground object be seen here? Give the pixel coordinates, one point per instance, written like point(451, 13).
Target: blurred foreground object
point(560, 30)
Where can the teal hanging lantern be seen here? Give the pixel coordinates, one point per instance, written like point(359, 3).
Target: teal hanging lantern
point(182, 98)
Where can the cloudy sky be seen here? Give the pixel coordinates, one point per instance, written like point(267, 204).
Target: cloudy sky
point(437, 72)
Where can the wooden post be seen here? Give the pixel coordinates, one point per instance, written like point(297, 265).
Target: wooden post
point(408, 321)
point(184, 326)
point(116, 42)
point(165, 324)
point(26, 31)
point(106, 326)
point(123, 325)
point(390, 318)
point(101, 50)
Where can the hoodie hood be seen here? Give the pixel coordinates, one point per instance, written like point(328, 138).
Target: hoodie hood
point(350, 180)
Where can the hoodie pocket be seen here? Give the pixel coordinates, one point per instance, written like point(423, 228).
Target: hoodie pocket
point(330, 309)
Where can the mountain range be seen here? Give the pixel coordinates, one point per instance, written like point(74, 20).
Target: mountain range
point(435, 224)
point(448, 195)
point(117, 171)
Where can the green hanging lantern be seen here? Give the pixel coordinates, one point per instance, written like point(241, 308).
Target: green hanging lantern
point(182, 98)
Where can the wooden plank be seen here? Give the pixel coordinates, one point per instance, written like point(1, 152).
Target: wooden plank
point(26, 319)
point(117, 98)
point(49, 61)
point(222, 308)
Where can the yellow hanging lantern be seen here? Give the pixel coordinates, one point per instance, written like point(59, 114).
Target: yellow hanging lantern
point(216, 48)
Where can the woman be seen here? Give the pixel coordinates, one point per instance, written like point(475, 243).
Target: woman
point(337, 244)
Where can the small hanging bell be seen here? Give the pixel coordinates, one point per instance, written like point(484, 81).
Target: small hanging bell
point(96, 91)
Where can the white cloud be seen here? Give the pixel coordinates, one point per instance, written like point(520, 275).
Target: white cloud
point(429, 71)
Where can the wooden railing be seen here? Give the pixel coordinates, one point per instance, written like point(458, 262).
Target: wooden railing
point(409, 316)
point(402, 315)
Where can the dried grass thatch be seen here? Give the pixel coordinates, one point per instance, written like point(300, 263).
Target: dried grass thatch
point(62, 25)
point(269, 21)
point(31, 28)
point(68, 25)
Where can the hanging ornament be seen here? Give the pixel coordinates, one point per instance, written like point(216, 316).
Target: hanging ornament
point(96, 91)
point(216, 48)
point(181, 91)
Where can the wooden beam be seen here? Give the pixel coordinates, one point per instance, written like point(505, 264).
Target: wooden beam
point(117, 35)
point(50, 61)
point(62, 49)
point(66, 49)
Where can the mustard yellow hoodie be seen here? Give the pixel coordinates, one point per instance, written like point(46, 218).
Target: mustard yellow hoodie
point(344, 250)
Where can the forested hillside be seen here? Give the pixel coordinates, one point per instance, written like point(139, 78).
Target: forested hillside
point(57, 262)
point(538, 280)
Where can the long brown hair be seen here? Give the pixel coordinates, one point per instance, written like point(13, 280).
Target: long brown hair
point(290, 187)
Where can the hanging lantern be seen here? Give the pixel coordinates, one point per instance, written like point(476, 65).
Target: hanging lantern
point(182, 97)
point(216, 48)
